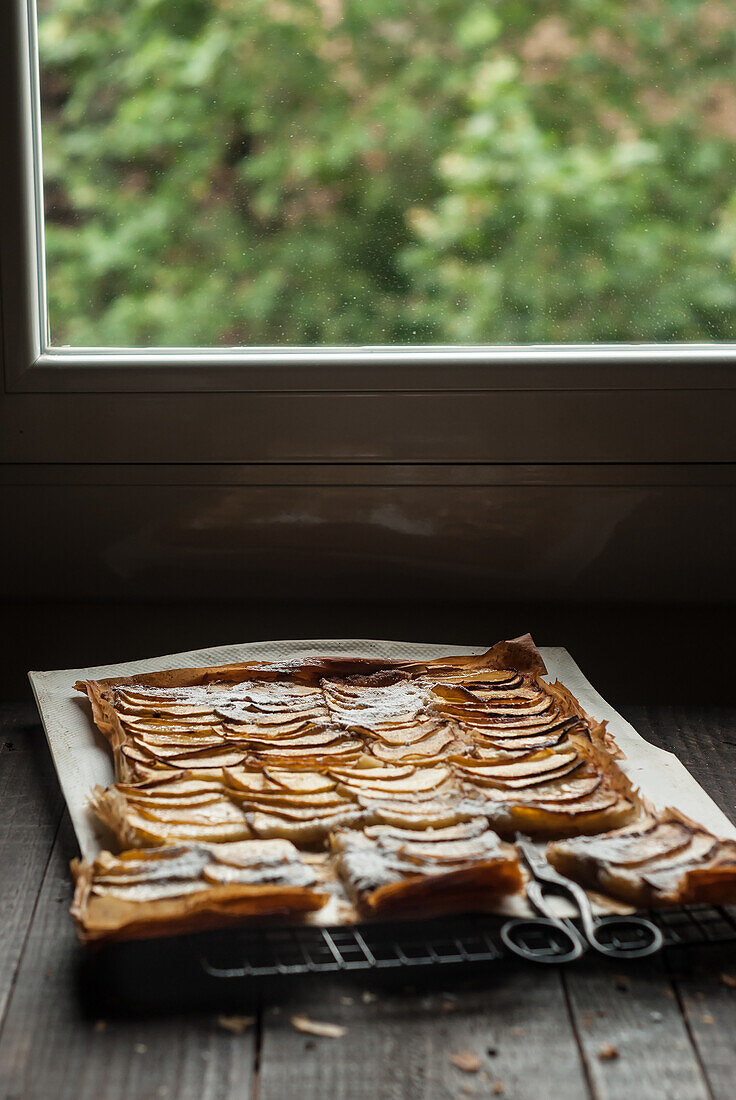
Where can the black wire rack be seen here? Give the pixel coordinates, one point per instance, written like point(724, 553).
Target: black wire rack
point(292, 951)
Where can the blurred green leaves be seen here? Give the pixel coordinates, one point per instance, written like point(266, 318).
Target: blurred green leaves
point(270, 172)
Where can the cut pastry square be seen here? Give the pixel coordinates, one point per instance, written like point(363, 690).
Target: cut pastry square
point(658, 860)
point(391, 872)
point(192, 887)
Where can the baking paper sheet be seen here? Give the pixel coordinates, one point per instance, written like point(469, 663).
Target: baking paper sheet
point(82, 756)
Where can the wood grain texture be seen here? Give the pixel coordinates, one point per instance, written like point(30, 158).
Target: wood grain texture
point(399, 1044)
point(706, 988)
point(632, 1011)
point(50, 1048)
point(31, 805)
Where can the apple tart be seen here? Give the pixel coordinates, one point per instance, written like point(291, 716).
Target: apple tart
point(402, 781)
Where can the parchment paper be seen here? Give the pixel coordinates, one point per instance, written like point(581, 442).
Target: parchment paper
point(82, 757)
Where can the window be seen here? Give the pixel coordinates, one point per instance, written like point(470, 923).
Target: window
point(339, 281)
point(285, 173)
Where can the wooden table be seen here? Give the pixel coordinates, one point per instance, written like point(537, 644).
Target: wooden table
point(538, 1032)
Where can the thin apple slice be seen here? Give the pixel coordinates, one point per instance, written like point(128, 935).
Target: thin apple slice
point(167, 803)
point(461, 831)
point(152, 717)
point(165, 787)
point(342, 751)
point(300, 782)
point(293, 799)
point(534, 781)
point(162, 751)
point(262, 723)
point(600, 812)
point(452, 674)
point(246, 780)
point(301, 813)
point(211, 759)
point(222, 812)
point(419, 779)
point(562, 791)
point(432, 814)
point(151, 832)
point(179, 712)
point(372, 773)
point(310, 739)
point(430, 746)
point(172, 726)
point(519, 745)
point(302, 832)
point(196, 736)
point(535, 766)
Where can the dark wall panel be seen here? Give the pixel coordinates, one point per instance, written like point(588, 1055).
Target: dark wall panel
point(581, 542)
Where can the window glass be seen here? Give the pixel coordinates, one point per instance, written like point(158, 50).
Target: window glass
point(322, 172)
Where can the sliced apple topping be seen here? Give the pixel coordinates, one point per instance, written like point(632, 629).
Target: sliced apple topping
point(392, 781)
point(536, 768)
point(603, 809)
point(431, 748)
point(311, 829)
point(474, 826)
point(141, 816)
point(415, 813)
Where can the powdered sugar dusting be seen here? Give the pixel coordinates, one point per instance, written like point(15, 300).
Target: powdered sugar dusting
point(374, 706)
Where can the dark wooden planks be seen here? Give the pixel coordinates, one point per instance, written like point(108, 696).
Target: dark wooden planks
point(397, 1046)
point(30, 810)
point(49, 1048)
point(706, 987)
point(633, 1010)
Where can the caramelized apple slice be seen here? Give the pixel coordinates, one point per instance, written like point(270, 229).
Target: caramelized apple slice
point(428, 747)
point(299, 782)
point(308, 831)
point(602, 810)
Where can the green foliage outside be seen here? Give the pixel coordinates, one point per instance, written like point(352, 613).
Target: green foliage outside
point(270, 172)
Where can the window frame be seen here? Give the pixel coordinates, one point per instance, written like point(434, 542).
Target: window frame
point(31, 366)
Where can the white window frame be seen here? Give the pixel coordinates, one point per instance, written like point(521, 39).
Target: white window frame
point(672, 402)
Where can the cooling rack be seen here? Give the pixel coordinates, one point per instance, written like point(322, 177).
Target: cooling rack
point(269, 953)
